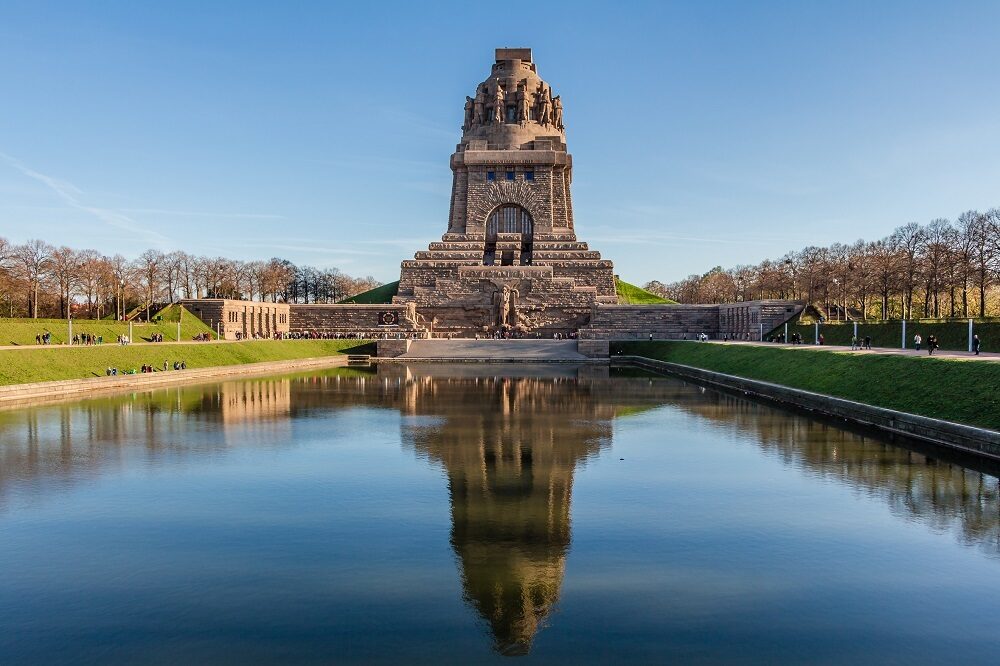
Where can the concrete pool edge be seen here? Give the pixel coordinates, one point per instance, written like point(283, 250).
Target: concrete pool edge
point(24, 395)
point(957, 436)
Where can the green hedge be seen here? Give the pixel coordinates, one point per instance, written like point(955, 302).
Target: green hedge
point(952, 335)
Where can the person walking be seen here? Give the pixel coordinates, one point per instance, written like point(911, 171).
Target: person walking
point(976, 344)
point(868, 342)
point(931, 342)
point(854, 342)
point(916, 341)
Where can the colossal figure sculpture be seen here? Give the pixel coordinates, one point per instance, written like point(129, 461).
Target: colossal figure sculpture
point(468, 114)
point(523, 107)
point(499, 106)
point(478, 108)
point(510, 221)
point(544, 105)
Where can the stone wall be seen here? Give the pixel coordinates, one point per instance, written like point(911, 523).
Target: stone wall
point(235, 319)
point(750, 319)
point(369, 320)
point(687, 322)
point(663, 322)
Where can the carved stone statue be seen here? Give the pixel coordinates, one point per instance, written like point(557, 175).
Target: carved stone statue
point(468, 114)
point(557, 113)
point(523, 107)
point(479, 107)
point(505, 314)
point(499, 105)
point(410, 315)
point(503, 307)
point(544, 105)
point(512, 318)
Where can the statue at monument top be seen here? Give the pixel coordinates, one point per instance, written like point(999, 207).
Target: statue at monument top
point(513, 107)
point(499, 106)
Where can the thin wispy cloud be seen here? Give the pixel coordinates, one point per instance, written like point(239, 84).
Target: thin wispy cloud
point(202, 213)
point(71, 195)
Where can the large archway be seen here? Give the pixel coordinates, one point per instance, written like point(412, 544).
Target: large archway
point(508, 219)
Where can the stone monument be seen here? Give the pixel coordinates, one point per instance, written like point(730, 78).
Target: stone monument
point(510, 260)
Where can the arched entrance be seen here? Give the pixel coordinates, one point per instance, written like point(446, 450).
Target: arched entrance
point(508, 219)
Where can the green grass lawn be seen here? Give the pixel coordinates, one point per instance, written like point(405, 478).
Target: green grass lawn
point(962, 391)
point(377, 295)
point(18, 366)
point(629, 294)
point(952, 335)
point(23, 331)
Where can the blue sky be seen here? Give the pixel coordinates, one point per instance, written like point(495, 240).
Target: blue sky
point(702, 133)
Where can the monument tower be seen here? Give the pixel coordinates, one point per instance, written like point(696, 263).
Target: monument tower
point(510, 260)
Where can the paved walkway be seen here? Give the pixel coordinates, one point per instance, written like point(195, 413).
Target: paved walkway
point(940, 353)
point(115, 344)
point(520, 350)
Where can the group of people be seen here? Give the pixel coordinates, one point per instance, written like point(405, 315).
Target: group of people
point(864, 343)
point(87, 339)
point(44, 338)
point(145, 369)
point(351, 335)
point(156, 337)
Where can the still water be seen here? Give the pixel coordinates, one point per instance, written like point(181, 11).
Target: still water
point(469, 515)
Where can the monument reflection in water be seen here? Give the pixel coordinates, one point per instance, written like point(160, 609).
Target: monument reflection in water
point(510, 450)
point(509, 441)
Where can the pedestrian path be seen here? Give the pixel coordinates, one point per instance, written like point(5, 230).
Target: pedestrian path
point(115, 344)
point(940, 353)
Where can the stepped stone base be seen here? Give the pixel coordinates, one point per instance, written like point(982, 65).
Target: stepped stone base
point(455, 293)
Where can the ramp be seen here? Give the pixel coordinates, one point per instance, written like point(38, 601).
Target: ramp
point(494, 351)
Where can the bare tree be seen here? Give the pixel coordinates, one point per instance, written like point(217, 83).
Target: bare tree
point(33, 261)
point(149, 267)
point(64, 266)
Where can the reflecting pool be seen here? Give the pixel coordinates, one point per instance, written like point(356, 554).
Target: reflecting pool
point(457, 514)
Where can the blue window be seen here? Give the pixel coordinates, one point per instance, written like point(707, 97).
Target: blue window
point(510, 175)
point(491, 176)
point(529, 175)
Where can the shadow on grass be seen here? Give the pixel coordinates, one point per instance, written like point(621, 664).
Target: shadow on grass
point(365, 348)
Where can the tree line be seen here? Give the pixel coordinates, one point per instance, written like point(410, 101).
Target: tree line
point(941, 269)
point(41, 280)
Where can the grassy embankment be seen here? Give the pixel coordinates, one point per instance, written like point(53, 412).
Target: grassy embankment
point(629, 294)
point(951, 334)
point(954, 390)
point(377, 295)
point(23, 331)
point(40, 364)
